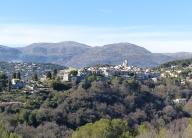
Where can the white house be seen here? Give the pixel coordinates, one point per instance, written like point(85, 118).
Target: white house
point(65, 75)
point(180, 101)
point(17, 83)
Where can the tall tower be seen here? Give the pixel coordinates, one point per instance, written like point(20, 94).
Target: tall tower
point(125, 63)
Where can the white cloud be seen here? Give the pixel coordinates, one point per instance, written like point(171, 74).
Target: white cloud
point(152, 38)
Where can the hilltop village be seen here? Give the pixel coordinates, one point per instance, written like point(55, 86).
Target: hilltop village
point(29, 76)
point(49, 99)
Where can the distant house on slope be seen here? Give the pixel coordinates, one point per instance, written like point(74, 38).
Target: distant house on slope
point(17, 84)
point(66, 75)
point(180, 101)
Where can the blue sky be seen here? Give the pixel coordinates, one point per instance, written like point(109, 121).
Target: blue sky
point(158, 25)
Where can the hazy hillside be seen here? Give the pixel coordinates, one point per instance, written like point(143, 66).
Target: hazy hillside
point(9, 54)
point(180, 55)
point(55, 49)
point(116, 53)
point(59, 53)
point(75, 54)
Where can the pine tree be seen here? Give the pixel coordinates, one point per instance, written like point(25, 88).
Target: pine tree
point(14, 76)
point(35, 77)
point(49, 75)
point(18, 75)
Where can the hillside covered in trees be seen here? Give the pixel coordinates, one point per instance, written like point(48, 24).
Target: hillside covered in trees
point(96, 107)
point(180, 63)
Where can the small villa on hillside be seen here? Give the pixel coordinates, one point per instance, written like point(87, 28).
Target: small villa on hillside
point(17, 84)
point(180, 101)
point(67, 75)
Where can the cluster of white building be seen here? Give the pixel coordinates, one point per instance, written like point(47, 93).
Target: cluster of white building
point(123, 70)
point(177, 72)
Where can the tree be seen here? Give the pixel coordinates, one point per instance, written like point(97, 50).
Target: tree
point(3, 81)
point(60, 86)
point(74, 72)
point(92, 78)
point(14, 76)
point(18, 76)
point(187, 132)
point(3, 76)
point(6, 134)
point(9, 85)
point(85, 84)
point(104, 128)
point(55, 73)
point(49, 75)
point(151, 85)
point(24, 115)
point(134, 86)
point(35, 77)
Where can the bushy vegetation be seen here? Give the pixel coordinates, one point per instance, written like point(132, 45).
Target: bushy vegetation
point(5, 133)
point(95, 107)
point(104, 128)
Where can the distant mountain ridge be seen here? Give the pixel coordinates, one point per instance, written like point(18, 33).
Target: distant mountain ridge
point(115, 54)
point(9, 54)
point(180, 55)
point(70, 53)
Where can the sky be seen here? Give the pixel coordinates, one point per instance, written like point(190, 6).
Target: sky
point(158, 25)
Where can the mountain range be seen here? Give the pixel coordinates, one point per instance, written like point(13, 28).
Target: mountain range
point(74, 54)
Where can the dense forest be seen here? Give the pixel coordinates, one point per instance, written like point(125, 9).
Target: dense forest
point(97, 107)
